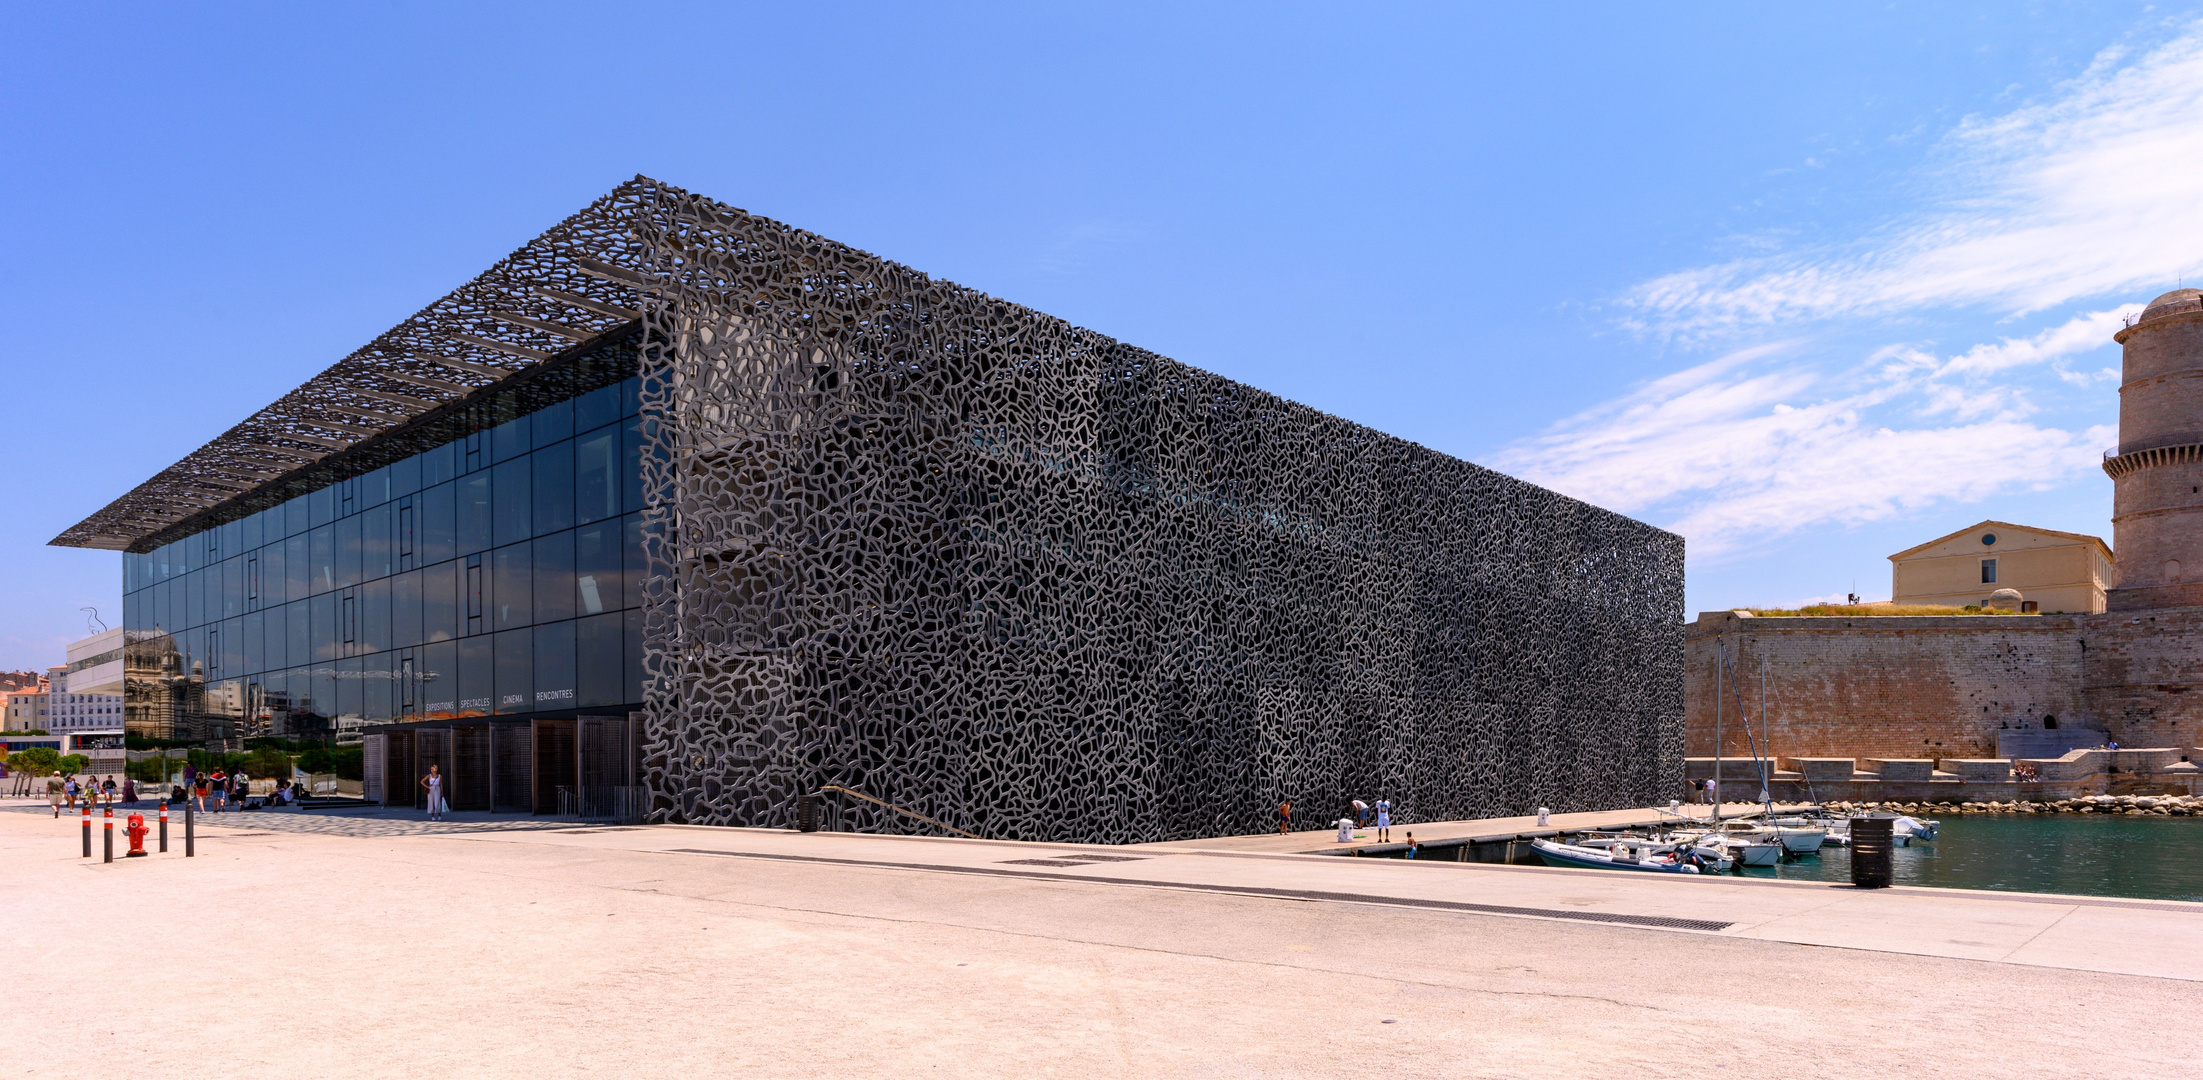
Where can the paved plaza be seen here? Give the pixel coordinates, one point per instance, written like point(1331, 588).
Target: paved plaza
point(304, 945)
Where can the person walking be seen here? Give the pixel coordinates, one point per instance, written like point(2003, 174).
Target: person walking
point(1285, 817)
point(1384, 821)
point(71, 789)
point(108, 789)
point(129, 789)
point(53, 793)
point(433, 783)
point(201, 787)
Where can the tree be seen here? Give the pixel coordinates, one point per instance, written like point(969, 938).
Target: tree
point(36, 760)
point(73, 763)
point(269, 761)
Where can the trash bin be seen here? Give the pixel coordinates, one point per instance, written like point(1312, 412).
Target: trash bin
point(806, 813)
point(1872, 839)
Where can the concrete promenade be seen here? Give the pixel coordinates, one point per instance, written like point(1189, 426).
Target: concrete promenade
point(1309, 841)
point(477, 950)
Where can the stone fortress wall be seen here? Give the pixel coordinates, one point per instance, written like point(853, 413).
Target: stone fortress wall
point(1947, 691)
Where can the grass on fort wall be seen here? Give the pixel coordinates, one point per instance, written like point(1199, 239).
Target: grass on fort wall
point(1868, 610)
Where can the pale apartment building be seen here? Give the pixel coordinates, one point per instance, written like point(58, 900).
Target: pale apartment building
point(2051, 570)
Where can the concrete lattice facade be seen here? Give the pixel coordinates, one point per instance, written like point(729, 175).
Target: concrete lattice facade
point(1037, 583)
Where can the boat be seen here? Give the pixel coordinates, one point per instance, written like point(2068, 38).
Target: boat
point(1740, 850)
point(1711, 854)
point(1617, 856)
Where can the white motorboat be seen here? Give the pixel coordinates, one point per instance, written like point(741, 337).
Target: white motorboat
point(1709, 853)
point(1617, 856)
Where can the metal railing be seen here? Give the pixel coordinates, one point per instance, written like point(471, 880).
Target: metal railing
point(621, 803)
point(891, 806)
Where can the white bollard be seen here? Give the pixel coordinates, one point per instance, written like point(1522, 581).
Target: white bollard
point(1545, 817)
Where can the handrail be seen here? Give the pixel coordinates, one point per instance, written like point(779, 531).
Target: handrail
point(898, 809)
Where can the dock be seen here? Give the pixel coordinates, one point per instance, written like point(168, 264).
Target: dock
point(1495, 840)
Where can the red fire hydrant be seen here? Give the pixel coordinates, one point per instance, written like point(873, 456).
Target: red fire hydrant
point(137, 836)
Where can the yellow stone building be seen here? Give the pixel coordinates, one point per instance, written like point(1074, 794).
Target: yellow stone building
point(2051, 570)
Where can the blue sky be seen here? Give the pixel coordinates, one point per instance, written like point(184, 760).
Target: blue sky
point(1807, 285)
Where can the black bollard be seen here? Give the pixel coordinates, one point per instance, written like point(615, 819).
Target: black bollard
point(806, 813)
point(87, 830)
point(1872, 838)
point(164, 826)
point(188, 847)
point(108, 840)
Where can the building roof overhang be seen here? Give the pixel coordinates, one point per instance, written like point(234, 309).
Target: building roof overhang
point(574, 286)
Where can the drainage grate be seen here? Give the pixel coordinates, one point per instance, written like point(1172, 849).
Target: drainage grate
point(1662, 922)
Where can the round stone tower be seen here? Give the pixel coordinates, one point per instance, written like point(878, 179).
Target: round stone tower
point(2157, 474)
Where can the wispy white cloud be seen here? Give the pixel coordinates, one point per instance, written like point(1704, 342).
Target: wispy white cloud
point(1745, 449)
point(2092, 192)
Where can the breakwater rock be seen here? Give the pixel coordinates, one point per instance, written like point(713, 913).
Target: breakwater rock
point(2131, 805)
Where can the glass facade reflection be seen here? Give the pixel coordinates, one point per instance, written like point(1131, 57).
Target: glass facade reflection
point(488, 568)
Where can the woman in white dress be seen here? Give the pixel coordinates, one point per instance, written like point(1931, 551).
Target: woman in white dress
point(435, 786)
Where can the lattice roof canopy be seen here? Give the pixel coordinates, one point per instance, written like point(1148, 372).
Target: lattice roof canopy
point(559, 295)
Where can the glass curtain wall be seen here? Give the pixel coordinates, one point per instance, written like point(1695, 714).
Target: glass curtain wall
point(497, 573)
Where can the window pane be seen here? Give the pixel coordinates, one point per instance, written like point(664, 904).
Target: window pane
point(597, 571)
point(474, 512)
point(271, 576)
point(297, 568)
point(439, 602)
point(597, 475)
point(233, 586)
point(600, 660)
point(435, 516)
point(439, 465)
point(375, 545)
point(195, 600)
point(249, 536)
point(554, 488)
point(509, 439)
point(553, 423)
point(511, 491)
point(295, 516)
point(631, 558)
point(554, 665)
point(554, 577)
point(515, 670)
point(437, 669)
point(321, 506)
point(374, 628)
point(634, 650)
point(405, 476)
point(374, 488)
point(322, 625)
point(476, 684)
point(375, 705)
point(350, 689)
point(598, 406)
point(405, 610)
point(511, 587)
point(631, 470)
point(299, 627)
point(348, 552)
point(275, 640)
point(252, 654)
point(321, 559)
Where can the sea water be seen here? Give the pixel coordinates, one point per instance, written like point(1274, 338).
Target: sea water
point(2091, 855)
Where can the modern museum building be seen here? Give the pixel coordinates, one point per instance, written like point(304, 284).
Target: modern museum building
point(678, 514)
